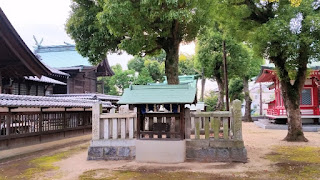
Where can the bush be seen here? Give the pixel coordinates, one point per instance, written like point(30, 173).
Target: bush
point(211, 101)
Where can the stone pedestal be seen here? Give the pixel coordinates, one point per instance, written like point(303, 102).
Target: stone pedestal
point(216, 150)
point(161, 151)
point(112, 150)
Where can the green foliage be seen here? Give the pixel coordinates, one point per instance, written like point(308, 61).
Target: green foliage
point(236, 89)
point(187, 65)
point(210, 53)
point(211, 101)
point(154, 69)
point(144, 77)
point(136, 64)
point(267, 29)
point(155, 65)
point(109, 86)
point(121, 79)
point(138, 27)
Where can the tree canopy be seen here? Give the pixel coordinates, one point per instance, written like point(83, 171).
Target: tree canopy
point(138, 27)
point(287, 35)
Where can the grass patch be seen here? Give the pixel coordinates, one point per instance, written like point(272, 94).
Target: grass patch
point(34, 167)
point(105, 174)
point(46, 163)
point(296, 162)
point(304, 154)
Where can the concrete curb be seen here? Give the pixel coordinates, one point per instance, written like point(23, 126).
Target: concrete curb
point(265, 124)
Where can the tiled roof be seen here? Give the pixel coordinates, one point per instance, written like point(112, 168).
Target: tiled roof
point(61, 56)
point(8, 100)
point(57, 72)
point(44, 79)
point(91, 96)
point(159, 94)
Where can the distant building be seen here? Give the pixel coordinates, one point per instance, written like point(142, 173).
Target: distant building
point(83, 76)
point(21, 72)
point(309, 103)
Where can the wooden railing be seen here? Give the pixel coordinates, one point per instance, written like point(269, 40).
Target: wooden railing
point(216, 125)
point(20, 124)
point(121, 125)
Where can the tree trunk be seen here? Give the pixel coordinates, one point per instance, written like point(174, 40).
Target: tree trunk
point(220, 103)
point(291, 94)
point(172, 55)
point(203, 83)
point(291, 99)
point(247, 113)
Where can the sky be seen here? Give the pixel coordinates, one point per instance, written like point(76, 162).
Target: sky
point(46, 19)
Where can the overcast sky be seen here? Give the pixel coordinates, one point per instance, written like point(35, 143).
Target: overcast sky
point(45, 19)
point(42, 18)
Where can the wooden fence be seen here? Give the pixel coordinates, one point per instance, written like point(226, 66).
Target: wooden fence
point(121, 125)
point(207, 125)
point(23, 124)
point(215, 125)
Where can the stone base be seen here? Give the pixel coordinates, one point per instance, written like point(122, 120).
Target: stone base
point(216, 151)
point(161, 151)
point(112, 150)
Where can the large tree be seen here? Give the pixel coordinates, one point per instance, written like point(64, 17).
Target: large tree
point(289, 36)
point(210, 53)
point(252, 66)
point(136, 26)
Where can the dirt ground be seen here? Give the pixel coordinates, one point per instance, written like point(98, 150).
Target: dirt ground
point(259, 143)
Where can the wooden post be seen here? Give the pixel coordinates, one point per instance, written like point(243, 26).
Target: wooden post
point(8, 122)
point(206, 128)
point(197, 127)
point(182, 121)
point(130, 128)
point(106, 130)
point(1, 83)
point(96, 111)
point(64, 122)
point(187, 122)
point(216, 127)
point(114, 128)
point(138, 122)
point(225, 129)
point(236, 113)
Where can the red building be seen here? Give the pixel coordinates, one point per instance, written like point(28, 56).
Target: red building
point(309, 103)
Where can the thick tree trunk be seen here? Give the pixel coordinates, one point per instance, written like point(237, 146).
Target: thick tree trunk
point(295, 132)
point(203, 83)
point(172, 54)
point(247, 113)
point(171, 65)
point(220, 103)
point(291, 94)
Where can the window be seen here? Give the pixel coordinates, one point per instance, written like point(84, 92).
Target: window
point(306, 97)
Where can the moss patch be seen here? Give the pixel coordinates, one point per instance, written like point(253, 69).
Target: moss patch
point(302, 154)
point(34, 167)
point(105, 174)
point(296, 162)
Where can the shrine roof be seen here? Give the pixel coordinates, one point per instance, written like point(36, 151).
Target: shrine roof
point(66, 57)
point(16, 59)
point(92, 96)
point(268, 74)
point(44, 79)
point(159, 94)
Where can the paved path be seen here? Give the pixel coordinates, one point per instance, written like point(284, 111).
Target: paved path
point(20, 151)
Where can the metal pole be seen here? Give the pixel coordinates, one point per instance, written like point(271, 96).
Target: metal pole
point(260, 99)
point(225, 70)
point(202, 84)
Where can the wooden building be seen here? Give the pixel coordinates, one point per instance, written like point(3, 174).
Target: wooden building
point(83, 76)
point(21, 72)
point(309, 103)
